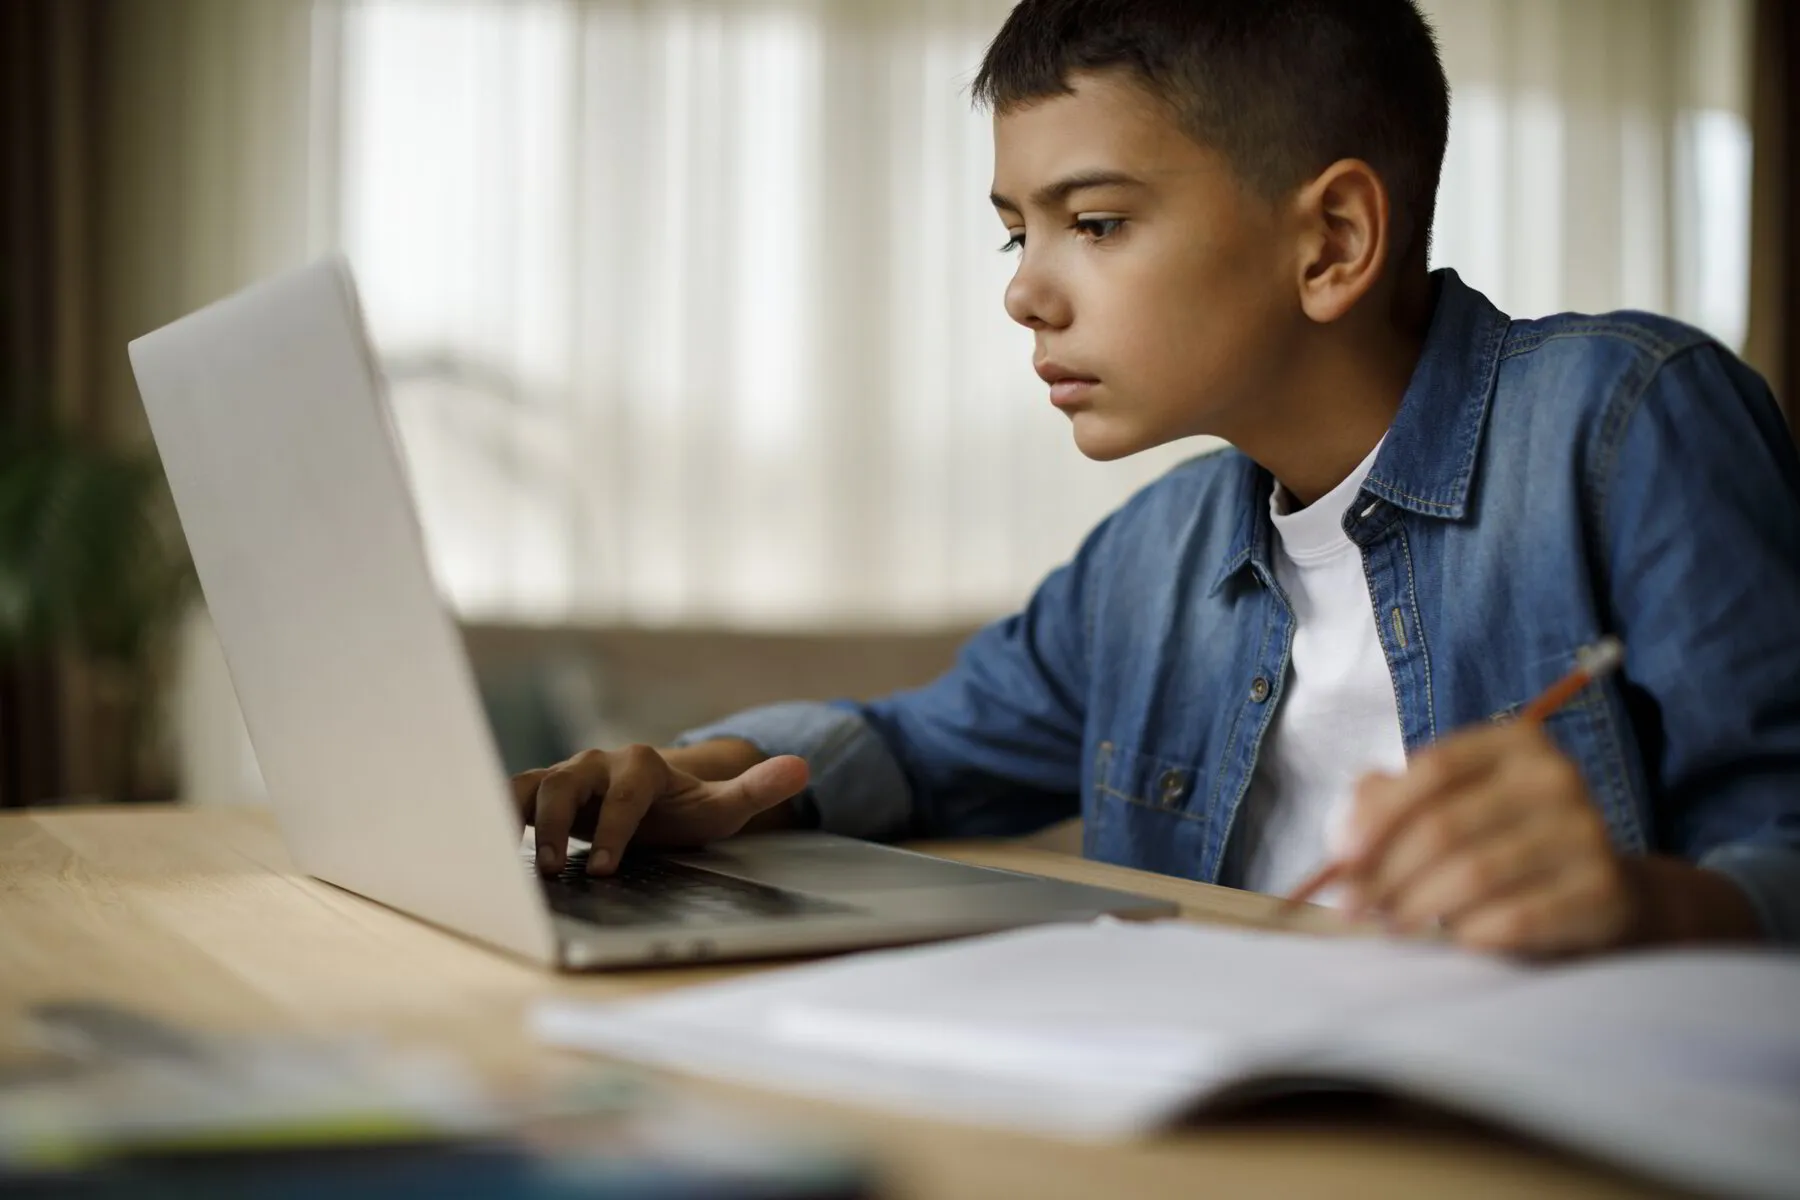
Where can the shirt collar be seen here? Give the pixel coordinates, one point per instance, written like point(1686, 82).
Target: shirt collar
point(1427, 464)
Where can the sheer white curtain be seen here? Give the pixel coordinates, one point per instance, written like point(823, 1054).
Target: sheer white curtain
point(1600, 155)
point(693, 313)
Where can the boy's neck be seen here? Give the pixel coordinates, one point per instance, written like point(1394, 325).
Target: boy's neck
point(1342, 398)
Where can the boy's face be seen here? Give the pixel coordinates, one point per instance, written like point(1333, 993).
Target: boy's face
point(1159, 287)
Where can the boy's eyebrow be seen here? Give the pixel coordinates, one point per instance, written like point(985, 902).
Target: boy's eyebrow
point(1054, 194)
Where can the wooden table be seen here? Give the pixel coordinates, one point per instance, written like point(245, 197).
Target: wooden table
point(197, 915)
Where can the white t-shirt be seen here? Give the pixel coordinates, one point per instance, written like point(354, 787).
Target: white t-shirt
point(1338, 718)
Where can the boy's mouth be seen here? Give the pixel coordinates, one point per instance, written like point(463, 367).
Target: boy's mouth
point(1068, 388)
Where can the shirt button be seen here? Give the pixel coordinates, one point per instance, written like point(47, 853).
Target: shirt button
point(1170, 786)
point(1259, 689)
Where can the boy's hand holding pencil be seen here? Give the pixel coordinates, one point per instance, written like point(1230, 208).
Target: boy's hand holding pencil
point(1490, 834)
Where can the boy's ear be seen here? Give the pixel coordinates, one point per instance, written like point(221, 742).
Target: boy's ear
point(1343, 216)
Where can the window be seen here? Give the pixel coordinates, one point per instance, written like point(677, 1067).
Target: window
point(693, 317)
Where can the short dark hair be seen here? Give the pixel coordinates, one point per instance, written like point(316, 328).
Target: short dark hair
point(1281, 88)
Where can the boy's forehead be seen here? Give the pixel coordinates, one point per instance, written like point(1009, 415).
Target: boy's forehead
point(1106, 122)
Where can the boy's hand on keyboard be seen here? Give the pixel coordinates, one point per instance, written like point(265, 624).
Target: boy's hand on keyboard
point(613, 797)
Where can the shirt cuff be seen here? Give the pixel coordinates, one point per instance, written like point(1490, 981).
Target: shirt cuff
point(857, 786)
point(1770, 877)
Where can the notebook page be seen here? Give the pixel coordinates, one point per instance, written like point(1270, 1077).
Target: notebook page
point(1081, 1030)
point(1685, 1065)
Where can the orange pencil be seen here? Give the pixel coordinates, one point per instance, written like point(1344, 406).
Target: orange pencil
point(1591, 662)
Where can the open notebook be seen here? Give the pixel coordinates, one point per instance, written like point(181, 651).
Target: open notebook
point(1685, 1066)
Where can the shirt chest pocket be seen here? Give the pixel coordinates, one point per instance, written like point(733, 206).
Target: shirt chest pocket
point(1144, 810)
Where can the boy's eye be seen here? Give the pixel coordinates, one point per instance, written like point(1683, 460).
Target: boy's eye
point(1014, 242)
point(1098, 227)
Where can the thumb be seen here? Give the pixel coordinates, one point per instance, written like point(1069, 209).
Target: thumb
point(766, 784)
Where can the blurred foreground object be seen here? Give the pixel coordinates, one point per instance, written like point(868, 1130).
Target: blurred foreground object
point(120, 1104)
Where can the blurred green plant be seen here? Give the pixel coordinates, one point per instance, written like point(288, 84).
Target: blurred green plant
point(92, 562)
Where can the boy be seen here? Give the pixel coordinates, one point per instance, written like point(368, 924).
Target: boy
point(1221, 210)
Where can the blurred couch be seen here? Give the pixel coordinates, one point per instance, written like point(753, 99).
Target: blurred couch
point(550, 691)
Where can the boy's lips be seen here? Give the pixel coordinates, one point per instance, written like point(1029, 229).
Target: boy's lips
point(1068, 388)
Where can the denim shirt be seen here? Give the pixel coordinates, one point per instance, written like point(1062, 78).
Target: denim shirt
point(1544, 483)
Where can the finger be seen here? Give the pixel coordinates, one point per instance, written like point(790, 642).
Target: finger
point(1569, 912)
point(1484, 873)
point(1434, 835)
point(524, 792)
point(1536, 791)
point(1311, 886)
point(1384, 803)
point(560, 797)
point(639, 777)
point(763, 786)
point(1341, 823)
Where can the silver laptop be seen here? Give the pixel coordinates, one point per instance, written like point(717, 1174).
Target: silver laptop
point(270, 414)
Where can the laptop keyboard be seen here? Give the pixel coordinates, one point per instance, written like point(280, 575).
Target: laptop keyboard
point(647, 890)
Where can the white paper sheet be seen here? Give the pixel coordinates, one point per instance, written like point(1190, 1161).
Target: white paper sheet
point(1685, 1065)
point(1079, 1030)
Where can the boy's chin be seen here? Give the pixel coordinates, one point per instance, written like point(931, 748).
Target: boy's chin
point(1105, 439)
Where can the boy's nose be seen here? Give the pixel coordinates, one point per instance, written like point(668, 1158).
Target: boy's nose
point(1033, 303)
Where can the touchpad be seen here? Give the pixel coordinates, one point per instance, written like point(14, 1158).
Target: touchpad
point(831, 865)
